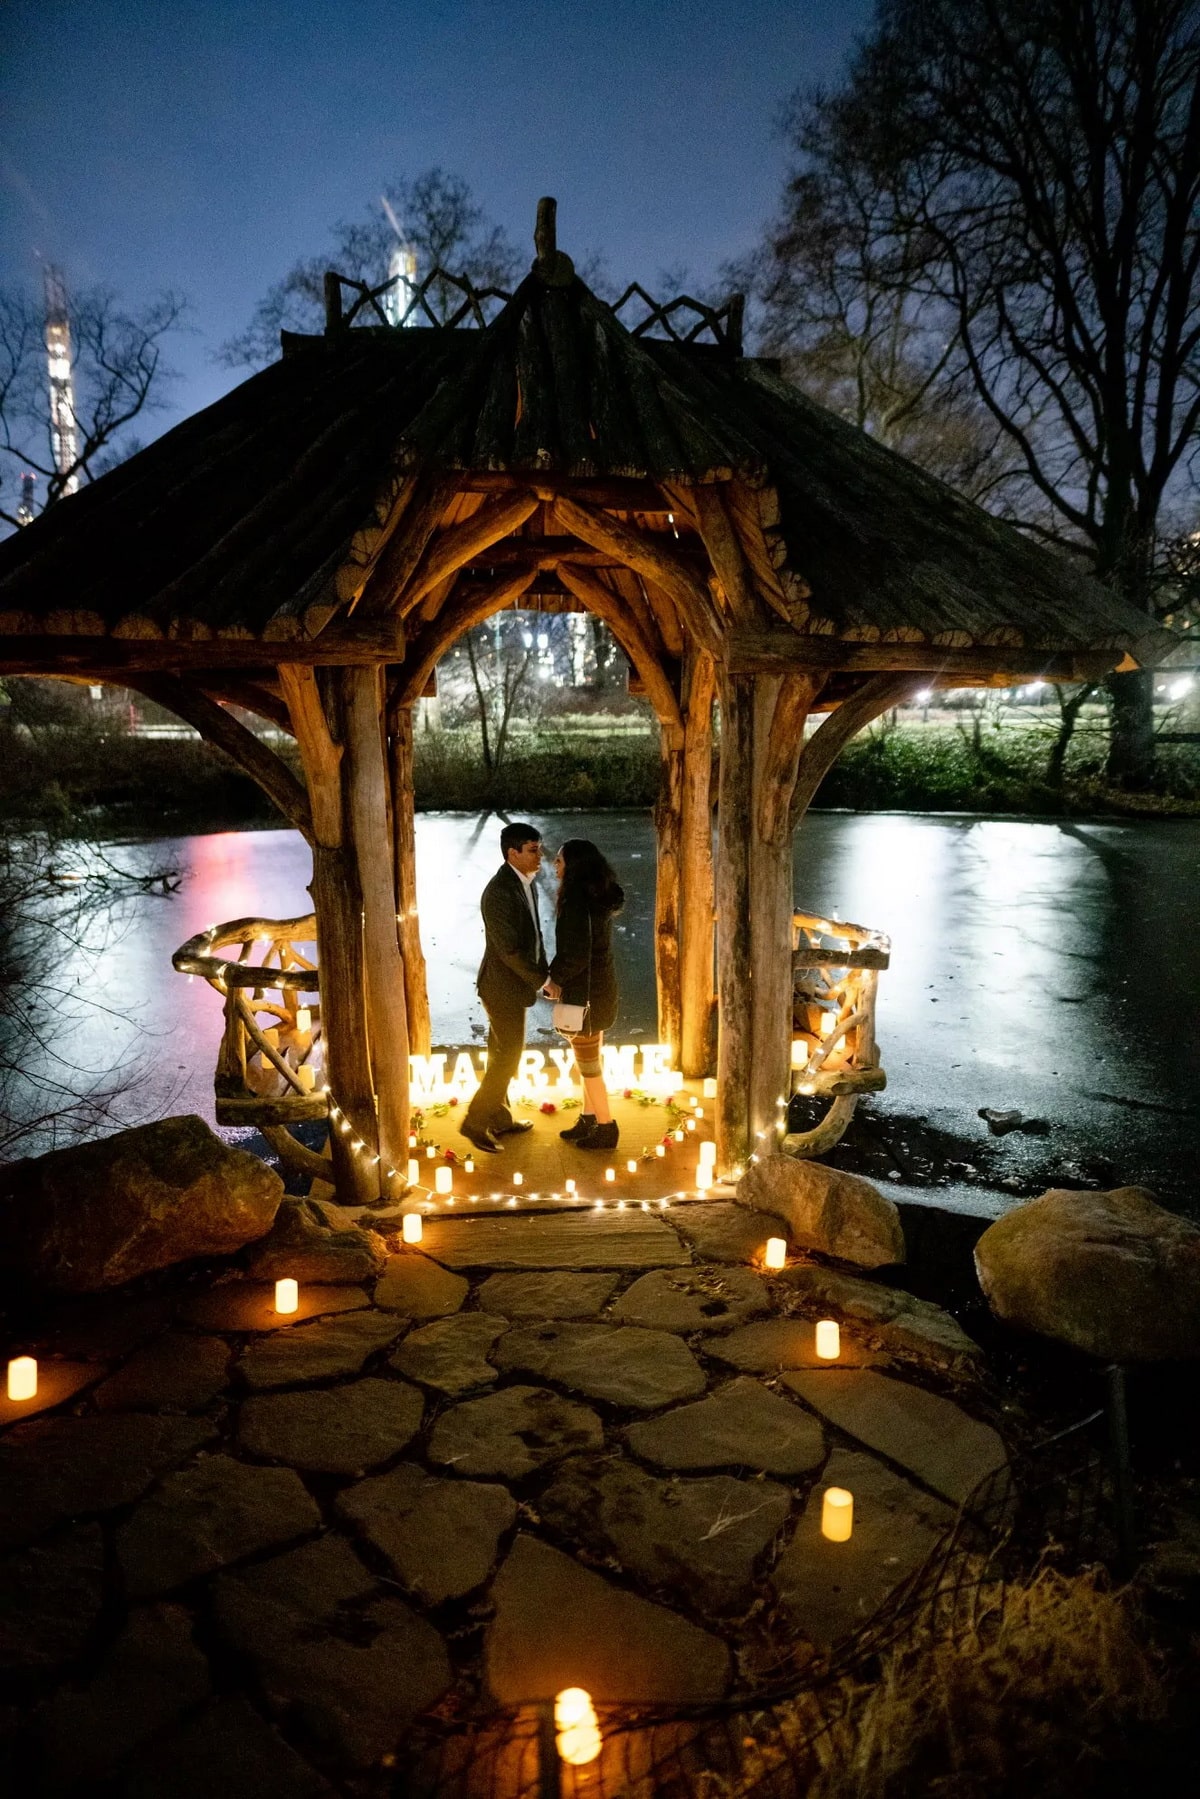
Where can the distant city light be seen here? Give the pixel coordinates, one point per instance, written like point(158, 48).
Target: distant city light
point(1179, 689)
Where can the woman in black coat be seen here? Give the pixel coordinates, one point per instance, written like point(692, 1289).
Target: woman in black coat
point(581, 974)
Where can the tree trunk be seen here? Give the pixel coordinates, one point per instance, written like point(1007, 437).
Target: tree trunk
point(338, 907)
point(1069, 709)
point(667, 831)
point(734, 988)
point(416, 985)
point(1131, 743)
point(696, 872)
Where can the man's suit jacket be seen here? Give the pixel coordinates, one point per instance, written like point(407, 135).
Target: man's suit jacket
point(514, 958)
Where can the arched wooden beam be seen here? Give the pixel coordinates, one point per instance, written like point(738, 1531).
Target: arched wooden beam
point(218, 727)
point(629, 634)
point(782, 756)
point(458, 545)
point(654, 561)
point(834, 732)
point(466, 609)
point(250, 696)
point(404, 547)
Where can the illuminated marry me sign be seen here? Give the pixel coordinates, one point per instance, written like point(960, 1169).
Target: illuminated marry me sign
point(455, 1074)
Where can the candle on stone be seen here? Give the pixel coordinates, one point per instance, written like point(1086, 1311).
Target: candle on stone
point(708, 1153)
point(306, 1077)
point(430, 1151)
point(570, 1186)
point(691, 1124)
point(660, 1149)
point(679, 1136)
point(578, 1737)
point(775, 1254)
point(710, 1087)
point(703, 1176)
point(22, 1377)
point(837, 1514)
point(287, 1296)
point(699, 1112)
point(829, 1339)
point(631, 1166)
point(443, 1180)
point(411, 1229)
point(518, 1179)
point(412, 1139)
point(303, 1020)
point(414, 1171)
point(469, 1165)
point(610, 1174)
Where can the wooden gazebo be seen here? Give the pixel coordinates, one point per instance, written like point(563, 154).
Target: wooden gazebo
point(309, 547)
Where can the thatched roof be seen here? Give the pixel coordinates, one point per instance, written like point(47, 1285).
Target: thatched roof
point(232, 535)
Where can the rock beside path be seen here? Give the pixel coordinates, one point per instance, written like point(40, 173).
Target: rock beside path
point(313, 1240)
point(99, 1214)
point(556, 1624)
point(1113, 1274)
point(899, 1323)
point(835, 1214)
point(719, 1231)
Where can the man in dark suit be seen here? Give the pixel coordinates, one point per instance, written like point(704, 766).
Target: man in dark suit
point(510, 975)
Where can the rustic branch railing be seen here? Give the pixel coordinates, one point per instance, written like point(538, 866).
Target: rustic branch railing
point(835, 976)
point(723, 323)
point(271, 1073)
point(474, 304)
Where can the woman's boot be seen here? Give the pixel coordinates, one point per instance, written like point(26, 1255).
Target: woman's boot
point(584, 1124)
point(601, 1136)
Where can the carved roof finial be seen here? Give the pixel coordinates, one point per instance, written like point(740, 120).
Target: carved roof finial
point(555, 268)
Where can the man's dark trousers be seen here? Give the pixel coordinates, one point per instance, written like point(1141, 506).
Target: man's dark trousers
point(512, 971)
point(488, 1110)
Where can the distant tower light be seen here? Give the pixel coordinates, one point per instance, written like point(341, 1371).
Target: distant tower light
point(26, 505)
point(64, 429)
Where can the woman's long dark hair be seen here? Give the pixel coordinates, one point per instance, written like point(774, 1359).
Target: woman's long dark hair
point(588, 877)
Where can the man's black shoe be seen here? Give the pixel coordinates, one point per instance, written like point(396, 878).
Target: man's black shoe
point(481, 1139)
point(515, 1124)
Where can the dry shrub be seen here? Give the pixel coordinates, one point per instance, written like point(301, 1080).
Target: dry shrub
point(1038, 1697)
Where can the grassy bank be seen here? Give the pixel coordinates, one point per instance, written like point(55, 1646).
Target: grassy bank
point(103, 781)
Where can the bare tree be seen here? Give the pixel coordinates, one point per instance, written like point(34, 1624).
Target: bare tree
point(439, 220)
point(1031, 170)
point(118, 375)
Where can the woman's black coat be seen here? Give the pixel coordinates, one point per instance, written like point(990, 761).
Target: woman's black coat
point(583, 964)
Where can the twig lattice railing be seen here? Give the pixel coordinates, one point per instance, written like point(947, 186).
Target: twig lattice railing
point(835, 1056)
point(1051, 1505)
point(268, 1073)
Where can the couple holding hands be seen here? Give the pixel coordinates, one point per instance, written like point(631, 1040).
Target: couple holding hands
point(580, 980)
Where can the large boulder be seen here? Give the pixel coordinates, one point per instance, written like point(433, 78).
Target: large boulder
point(314, 1240)
point(834, 1213)
point(1109, 1273)
point(100, 1214)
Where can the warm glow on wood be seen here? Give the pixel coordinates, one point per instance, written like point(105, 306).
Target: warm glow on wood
point(287, 1295)
point(579, 1740)
point(837, 1514)
point(775, 1254)
point(412, 1227)
point(22, 1377)
point(829, 1339)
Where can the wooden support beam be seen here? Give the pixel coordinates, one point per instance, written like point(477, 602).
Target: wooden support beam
point(653, 560)
point(735, 819)
point(416, 987)
point(633, 638)
point(831, 736)
point(781, 755)
point(459, 544)
point(321, 756)
point(668, 818)
point(113, 659)
point(399, 557)
point(249, 696)
point(775, 652)
point(696, 868)
point(337, 902)
point(219, 727)
point(467, 608)
point(726, 555)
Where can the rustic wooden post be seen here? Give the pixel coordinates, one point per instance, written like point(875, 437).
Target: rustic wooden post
point(736, 1015)
point(696, 869)
point(667, 822)
point(365, 796)
point(416, 988)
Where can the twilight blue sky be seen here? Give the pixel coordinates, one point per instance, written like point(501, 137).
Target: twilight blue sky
point(205, 144)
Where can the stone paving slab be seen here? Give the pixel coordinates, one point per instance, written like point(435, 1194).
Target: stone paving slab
point(932, 1437)
point(741, 1425)
point(102, 1327)
point(419, 1288)
point(774, 1343)
point(617, 1362)
point(339, 1430)
point(553, 1295)
point(512, 1433)
point(611, 1239)
point(149, 1678)
point(451, 1353)
point(250, 1306)
point(701, 1538)
point(557, 1624)
point(177, 1372)
point(57, 1468)
point(320, 1351)
point(50, 1599)
point(440, 1536)
point(353, 1666)
point(900, 1323)
point(206, 1517)
point(725, 1232)
point(57, 1382)
point(227, 1751)
point(707, 1298)
point(830, 1589)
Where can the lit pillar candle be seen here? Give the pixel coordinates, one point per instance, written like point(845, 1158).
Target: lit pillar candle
point(430, 1151)
point(306, 1077)
point(699, 1112)
point(691, 1125)
point(518, 1179)
point(414, 1171)
point(837, 1514)
point(631, 1165)
point(610, 1174)
point(710, 1087)
point(660, 1149)
point(22, 1377)
point(775, 1254)
point(443, 1179)
point(703, 1176)
point(708, 1154)
point(829, 1339)
point(578, 1730)
point(469, 1165)
point(287, 1296)
point(570, 1186)
point(412, 1139)
point(303, 1020)
point(679, 1136)
point(411, 1228)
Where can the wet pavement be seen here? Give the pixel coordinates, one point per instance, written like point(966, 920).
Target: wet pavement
point(1052, 968)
